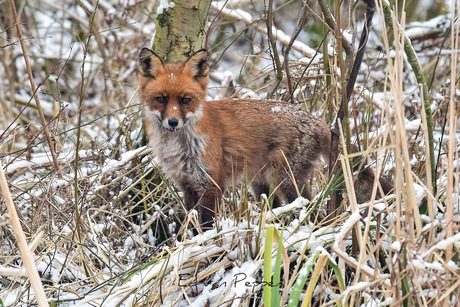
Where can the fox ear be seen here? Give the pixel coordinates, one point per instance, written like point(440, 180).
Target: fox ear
point(197, 64)
point(150, 64)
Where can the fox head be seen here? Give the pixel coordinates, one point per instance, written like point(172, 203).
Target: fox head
point(173, 94)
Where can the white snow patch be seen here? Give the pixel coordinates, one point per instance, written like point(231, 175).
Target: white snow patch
point(164, 6)
point(396, 246)
point(413, 125)
point(443, 244)
point(125, 158)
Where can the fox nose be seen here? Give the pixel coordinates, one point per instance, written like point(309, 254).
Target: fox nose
point(173, 122)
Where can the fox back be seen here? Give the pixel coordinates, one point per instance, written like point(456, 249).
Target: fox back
point(206, 146)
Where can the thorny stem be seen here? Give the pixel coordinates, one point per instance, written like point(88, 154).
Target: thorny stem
point(48, 137)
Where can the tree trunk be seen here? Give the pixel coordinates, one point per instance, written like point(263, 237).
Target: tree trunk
point(180, 30)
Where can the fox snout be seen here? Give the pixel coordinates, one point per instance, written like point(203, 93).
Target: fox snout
point(172, 123)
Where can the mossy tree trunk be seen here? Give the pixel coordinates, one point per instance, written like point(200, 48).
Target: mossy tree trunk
point(180, 30)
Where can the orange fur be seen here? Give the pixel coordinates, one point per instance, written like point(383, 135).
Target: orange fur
point(206, 146)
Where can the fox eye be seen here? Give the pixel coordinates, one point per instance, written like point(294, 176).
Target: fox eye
point(185, 100)
point(161, 99)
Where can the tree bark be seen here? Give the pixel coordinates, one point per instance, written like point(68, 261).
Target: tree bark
point(180, 30)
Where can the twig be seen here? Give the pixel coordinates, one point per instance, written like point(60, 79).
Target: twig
point(362, 47)
point(452, 187)
point(330, 21)
point(419, 75)
point(340, 237)
point(280, 35)
point(34, 90)
point(276, 57)
point(334, 203)
point(26, 253)
point(298, 28)
point(78, 143)
point(404, 181)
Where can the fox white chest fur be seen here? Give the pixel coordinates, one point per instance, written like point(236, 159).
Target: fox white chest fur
point(180, 152)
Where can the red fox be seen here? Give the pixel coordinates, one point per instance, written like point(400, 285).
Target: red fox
point(206, 146)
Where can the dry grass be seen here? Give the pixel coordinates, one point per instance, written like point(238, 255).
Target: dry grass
point(109, 229)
